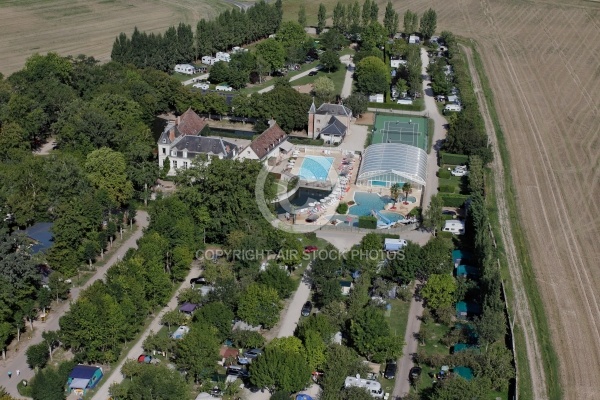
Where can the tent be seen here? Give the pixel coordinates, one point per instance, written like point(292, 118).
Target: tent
point(303, 397)
point(467, 271)
point(188, 308)
point(465, 309)
point(460, 257)
point(180, 332)
point(458, 347)
point(464, 372)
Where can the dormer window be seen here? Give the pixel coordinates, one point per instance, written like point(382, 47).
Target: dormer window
point(174, 153)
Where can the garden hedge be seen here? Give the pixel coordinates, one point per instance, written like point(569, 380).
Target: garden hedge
point(367, 222)
point(443, 173)
point(342, 208)
point(454, 159)
point(447, 188)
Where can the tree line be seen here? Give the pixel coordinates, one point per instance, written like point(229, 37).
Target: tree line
point(179, 44)
point(466, 134)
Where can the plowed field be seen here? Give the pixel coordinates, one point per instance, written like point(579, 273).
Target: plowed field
point(543, 62)
point(72, 27)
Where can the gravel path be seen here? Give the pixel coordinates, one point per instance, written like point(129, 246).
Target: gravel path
point(18, 361)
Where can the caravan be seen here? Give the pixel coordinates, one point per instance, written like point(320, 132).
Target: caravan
point(455, 226)
point(373, 387)
point(452, 108)
point(185, 69)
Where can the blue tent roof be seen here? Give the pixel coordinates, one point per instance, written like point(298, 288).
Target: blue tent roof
point(303, 397)
point(458, 347)
point(467, 270)
point(464, 372)
point(458, 255)
point(463, 307)
point(41, 233)
point(83, 372)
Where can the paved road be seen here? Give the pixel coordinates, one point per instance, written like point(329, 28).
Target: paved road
point(439, 133)
point(192, 80)
point(136, 350)
point(18, 361)
point(347, 88)
point(405, 363)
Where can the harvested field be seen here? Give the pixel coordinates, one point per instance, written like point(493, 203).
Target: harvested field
point(72, 27)
point(543, 63)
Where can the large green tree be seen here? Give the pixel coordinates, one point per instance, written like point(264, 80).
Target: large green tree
point(272, 52)
point(439, 290)
point(372, 76)
point(259, 305)
point(370, 335)
point(279, 368)
point(390, 20)
point(428, 23)
point(198, 351)
point(146, 382)
point(107, 171)
point(321, 18)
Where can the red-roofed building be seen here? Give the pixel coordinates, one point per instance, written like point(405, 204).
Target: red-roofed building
point(182, 141)
point(271, 144)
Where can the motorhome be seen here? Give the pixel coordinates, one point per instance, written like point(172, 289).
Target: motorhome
point(209, 60)
point(221, 56)
point(373, 387)
point(185, 69)
point(454, 226)
point(452, 108)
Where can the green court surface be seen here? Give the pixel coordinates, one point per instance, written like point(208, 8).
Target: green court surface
point(391, 128)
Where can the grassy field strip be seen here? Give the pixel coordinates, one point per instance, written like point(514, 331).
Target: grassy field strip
point(549, 357)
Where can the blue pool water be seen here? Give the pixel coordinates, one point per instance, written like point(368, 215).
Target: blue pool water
point(392, 216)
point(365, 202)
point(315, 168)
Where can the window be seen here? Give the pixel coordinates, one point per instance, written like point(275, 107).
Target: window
point(174, 164)
point(318, 121)
point(318, 129)
point(164, 140)
point(164, 151)
point(174, 153)
point(185, 165)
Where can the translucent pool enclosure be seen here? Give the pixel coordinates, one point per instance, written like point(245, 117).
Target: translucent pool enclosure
point(384, 164)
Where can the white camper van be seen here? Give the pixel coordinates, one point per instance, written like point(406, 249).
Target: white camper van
point(452, 108)
point(208, 60)
point(185, 69)
point(454, 226)
point(373, 387)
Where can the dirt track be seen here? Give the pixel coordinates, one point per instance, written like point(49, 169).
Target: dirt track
point(542, 60)
point(73, 27)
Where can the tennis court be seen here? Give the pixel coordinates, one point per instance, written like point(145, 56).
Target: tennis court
point(393, 128)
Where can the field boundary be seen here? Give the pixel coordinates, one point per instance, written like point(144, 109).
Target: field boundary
point(542, 333)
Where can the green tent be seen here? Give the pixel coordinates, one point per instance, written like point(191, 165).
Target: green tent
point(464, 372)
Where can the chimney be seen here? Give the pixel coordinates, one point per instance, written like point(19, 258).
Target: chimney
point(172, 134)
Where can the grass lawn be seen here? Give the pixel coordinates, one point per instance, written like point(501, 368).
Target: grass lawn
point(259, 86)
point(398, 317)
point(337, 77)
point(458, 182)
point(183, 77)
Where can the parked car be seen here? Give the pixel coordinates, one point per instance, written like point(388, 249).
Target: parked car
point(459, 171)
point(310, 249)
point(203, 86)
point(200, 280)
point(390, 370)
point(306, 309)
point(313, 73)
point(414, 374)
point(252, 354)
point(237, 370)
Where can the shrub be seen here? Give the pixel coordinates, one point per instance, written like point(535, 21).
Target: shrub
point(367, 222)
point(445, 235)
point(454, 159)
point(447, 188)
point(443, 173)
point(453, 200)
point(310, 235)
point(444, 315)
point(415, 212)
point(342, 208)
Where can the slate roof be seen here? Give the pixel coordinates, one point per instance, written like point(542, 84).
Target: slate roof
point(312, 109)
point(204, 145)
point(335, 127)
point(41, 233)
point(83, 372)
point(334, 109)
point(268, 140)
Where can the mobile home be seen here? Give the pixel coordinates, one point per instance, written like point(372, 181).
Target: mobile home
point(373, 387)
point(454, 226)
point(208, 60)
point(452, 108)
point(185, 69)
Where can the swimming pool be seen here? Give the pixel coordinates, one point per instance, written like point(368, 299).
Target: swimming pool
point(315, 168)
point(365, 202)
